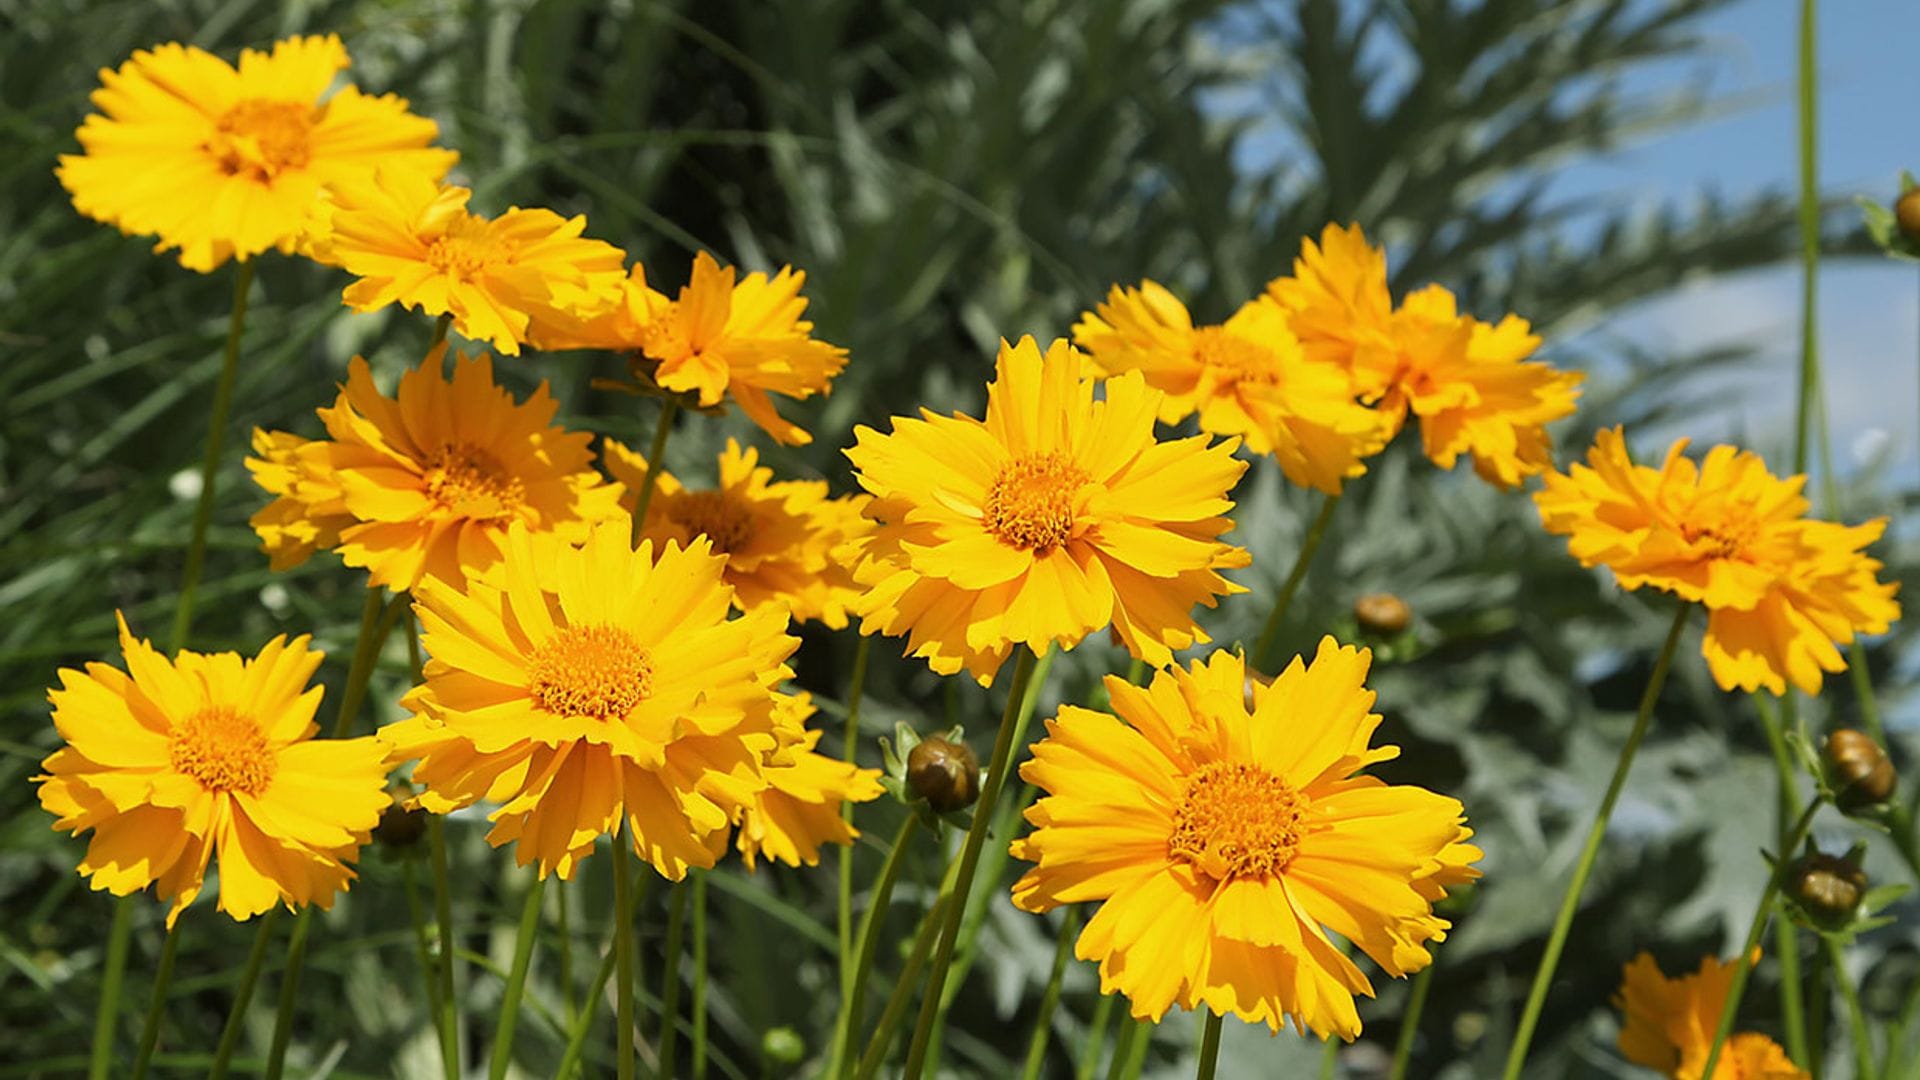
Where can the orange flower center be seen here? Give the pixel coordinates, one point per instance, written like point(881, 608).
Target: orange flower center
point(1722, 540)
point(471, 483)
point(1232, 358)
point(264, 138)
point(591, 670)
point(464, 250)
point(1237, 820)
point(222, 750)
point(725, 521)
point(1031, 502)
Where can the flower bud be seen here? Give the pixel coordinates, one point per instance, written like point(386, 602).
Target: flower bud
point(400, 826)
point(946, 774)
point(1828, 888)
point(1906, 211)
point(1382, 614)
point(1858, 769)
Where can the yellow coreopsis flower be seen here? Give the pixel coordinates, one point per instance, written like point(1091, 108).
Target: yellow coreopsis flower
point(800, 808)
point(1222, 842)
point(425, 483)
point(720, 337)
point(580, 685)
point(207, 759)
point(1668, 1025)
point(226, 163)
point(1057, 515)
point(787, 544)
point(1780, 589)
point(1248, 377)
point(412, 241)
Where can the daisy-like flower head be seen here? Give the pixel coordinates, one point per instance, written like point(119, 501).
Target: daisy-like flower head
point(1223, 842)
point(174, 764)
point(425, 483)
point(577, 685)
point(1780, 590)
point(412, 241)
point(1249, 377)
point(1668, 1025)
point(1057, 515)
point(787, 544)
point(720, 337)
point(1338, 302)
point(224, 163)
point(800, 808)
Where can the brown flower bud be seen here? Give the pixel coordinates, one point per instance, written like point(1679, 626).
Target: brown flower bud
point(1828, 888)
point(946, 774)
point(1906, 211)
point(1858, 769)
point(400, 826)
point(1382, 614)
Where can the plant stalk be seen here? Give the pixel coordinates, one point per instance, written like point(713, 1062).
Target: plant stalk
point(449, 1018)
point(289, 993)
point(1209, 1047)
point(156, 1005)
point(670, 974)
point(1410, 1022)
point(1050, 1000)
point(622, 956)
point(853, 1005)
point(243, 996)
point(210, 463)
point(1316, 532)
point(644, 497)
point(524, 937)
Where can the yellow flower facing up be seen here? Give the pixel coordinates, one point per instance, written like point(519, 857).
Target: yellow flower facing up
point(720, 337)
point(223, 162)
point(425, 483)
point(800, 808)
point(413, 242)
point(576, 686)
point(1248, 377)
point(208, 759)
point(1470, 383)
point(1780, 590)
point(787, 544)
point(1057, 515)
point(1223, 842)
point(1668, 1025)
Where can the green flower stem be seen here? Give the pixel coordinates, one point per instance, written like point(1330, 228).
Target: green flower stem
point(375, 623)
point(583, 1020)
point(1315, 533)
point(422, 947)
point(1786, 943)
point(564, 932)
point(111, 976)
point(1863, 1068)
point(449, 1018)
point(1209, 1047)
point(1410, 1022)
point(843, 862)
point(903, 988)
point(156, 1005)
point(699, 975)
point(622, 955)
point(1096, 1037)
point(670, 974)
point(1743, 966)
point(969, 861)
point(243, 996)
point(1050, 1000)
point(1329, 1057)
point(1809, 388)
point(1129, 1048)
point(528, 933)
point(853, 1004)
point(1570, 904)
point(1817, 996)
point(289, 993)
point(664, 427)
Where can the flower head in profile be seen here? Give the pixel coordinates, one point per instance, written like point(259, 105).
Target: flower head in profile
point(580, 685)
point(720, 337)
point(787, 544)
point(1668, 1025)
point(223, 162)
point(425, 483)
point(1780, 589)
point(1222, 841)
point(412, 241)
point(1469, 383)
point(1056, 516)
point(207, 759)
point(800, 808)
point(1248, 377)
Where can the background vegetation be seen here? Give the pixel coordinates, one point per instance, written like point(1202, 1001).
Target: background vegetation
point(948, 172)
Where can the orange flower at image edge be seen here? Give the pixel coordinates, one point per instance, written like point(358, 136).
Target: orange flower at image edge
point(1668, 1025)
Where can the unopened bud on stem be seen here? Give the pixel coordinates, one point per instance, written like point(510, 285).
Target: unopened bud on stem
point(946, 774)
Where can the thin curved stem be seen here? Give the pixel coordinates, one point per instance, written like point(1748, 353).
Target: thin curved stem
point(670, 974)
point(1209, 1047)
point(156, 1005)
point(1863, 1067)
point(422, 938)
point(111, 976)
point(524, 937)
point(1128, 1046)
point(1410, 1022)
point(1315, 533)
point(853, 1005)
point(564, 955)
point(622, 957)
point(1570, 903)
point(375, 621)
point(289, 993)
point(1809, 388)
point(1096, 1037)
point(210, 463)
point(902, 996)
point(843, 918)
point(1050, 999)
point(644, 498)
point(243, 996)
point(1786, 945)
point(583, 1020)
point(699, 975)
point(1329, 1057)
point(449, 1019)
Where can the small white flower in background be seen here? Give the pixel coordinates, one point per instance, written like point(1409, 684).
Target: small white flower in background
point(185, 484)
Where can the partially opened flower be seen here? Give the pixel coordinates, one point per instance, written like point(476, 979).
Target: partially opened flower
point(1780, 589)
point(1056, 516)
point(425, 483)
point(800, 808)
point(207, 759)
point(1247, 377)
point(580, 685)
point(720, 337)
point(413, 242)
point(1668, 1025)
point(1222, 842)
point(225, 163)
point(787, 544)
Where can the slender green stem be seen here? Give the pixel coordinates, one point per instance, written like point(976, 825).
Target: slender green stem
point(583, 1020)
point(1209, 1047)
point(422, 944)
point(1863, 1068)
point(1410, 1022)
point(853, 1005)
point(111, 976)
point(1329, 1057)
point(210, 463)
point(156, 1005)
point(699, 975)
point(528, 933)
point(1050, 1000)
point(902, 995)
point(289, 993)
point(622, 957)
point(443, 916)
point(670, 975)
point(1786, 945)
point(1809, 239)
point(1131, 1040)
point(843, 920)
point(1316, 532)
point(1570, 903)
point(969, 861)
point(366, 647)
point(564, 932)
point(243, 996)
point(1818, 1000)
point(1743, 965)
point(1897, 1036)
point(650, 481)
point(1096, 1037)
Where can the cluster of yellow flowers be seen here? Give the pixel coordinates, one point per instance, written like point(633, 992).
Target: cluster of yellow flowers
point(588, 674)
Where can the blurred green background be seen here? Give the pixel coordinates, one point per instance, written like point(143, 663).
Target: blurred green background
point(947, 173)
